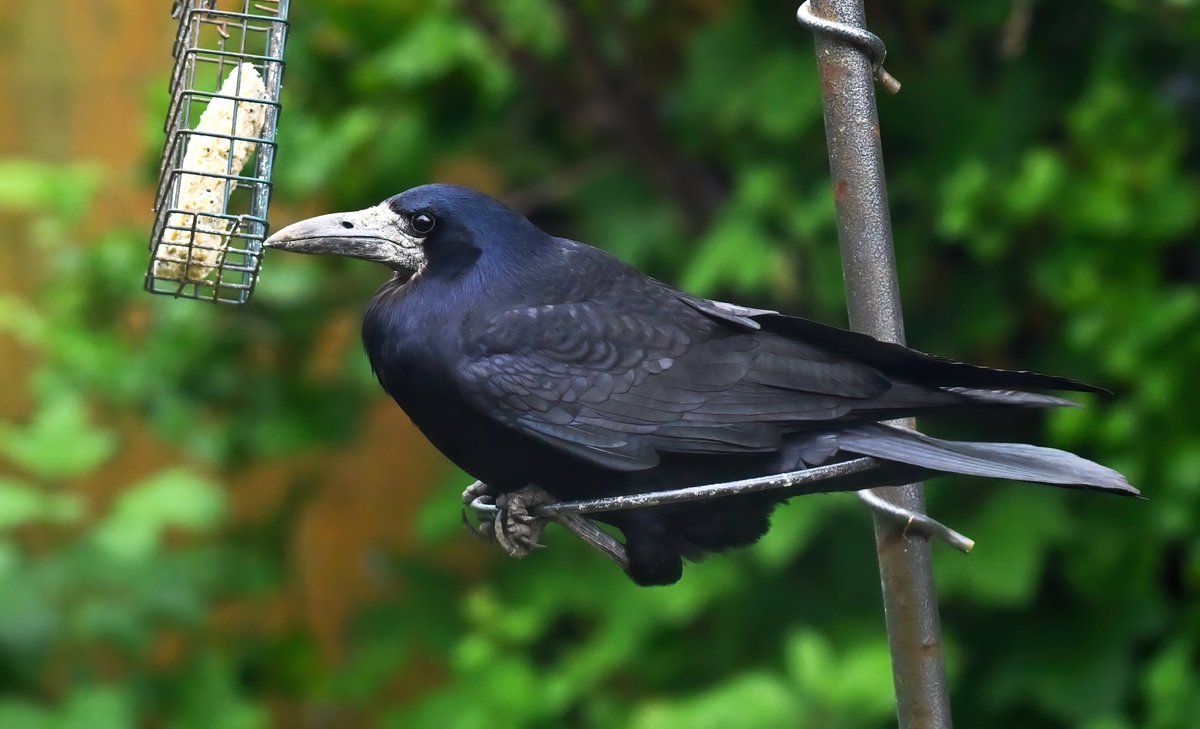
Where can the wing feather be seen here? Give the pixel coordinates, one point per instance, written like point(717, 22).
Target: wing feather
point(616, 380)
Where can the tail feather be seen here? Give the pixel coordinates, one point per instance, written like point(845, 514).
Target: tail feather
point(1014, 398)
point(1013, 461)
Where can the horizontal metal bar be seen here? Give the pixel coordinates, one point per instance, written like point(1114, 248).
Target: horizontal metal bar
point(199, 52)
point(227, 137)
point(272, 68)
point(224, 217)
point(692, 493)
point(214, 13)
point(167, 179)
point(194, 93)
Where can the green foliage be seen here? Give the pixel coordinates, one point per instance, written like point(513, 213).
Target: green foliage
point(88, 583)
point(1045, 215)
point(142, 513)
point(58, 441)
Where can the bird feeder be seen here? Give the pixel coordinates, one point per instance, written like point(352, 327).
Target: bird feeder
point(214, 180)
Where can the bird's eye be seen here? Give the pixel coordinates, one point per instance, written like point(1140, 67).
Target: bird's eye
point(422, 223)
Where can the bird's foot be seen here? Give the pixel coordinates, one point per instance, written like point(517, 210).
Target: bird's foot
point(914, 522)
point(516, 527)
point(524, 528)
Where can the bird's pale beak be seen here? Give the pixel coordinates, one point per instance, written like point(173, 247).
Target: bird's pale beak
point(373, 234)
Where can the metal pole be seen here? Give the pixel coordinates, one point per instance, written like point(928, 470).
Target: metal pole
point(873, 300)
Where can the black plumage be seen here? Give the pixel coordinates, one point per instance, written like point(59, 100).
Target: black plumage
point(531, 359)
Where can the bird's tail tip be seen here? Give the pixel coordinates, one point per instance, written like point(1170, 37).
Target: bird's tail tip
point(1013, 398)
point(1012, 461)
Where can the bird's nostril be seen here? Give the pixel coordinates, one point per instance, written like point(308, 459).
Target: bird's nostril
point(347, 224)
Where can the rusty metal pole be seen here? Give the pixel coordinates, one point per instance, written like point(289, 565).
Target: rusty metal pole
point(848, 57)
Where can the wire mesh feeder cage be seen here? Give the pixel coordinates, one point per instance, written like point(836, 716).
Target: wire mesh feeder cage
point(214, 181)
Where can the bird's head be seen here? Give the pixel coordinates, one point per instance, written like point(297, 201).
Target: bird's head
point(441, 226)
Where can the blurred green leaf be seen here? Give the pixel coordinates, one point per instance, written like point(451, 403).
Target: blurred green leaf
point(173, 499)
point(24, 715)
point(59, 441)
point(749, 701)
point(854, 685)
point(22, 503)
point(29, 185)
point(1012, 537)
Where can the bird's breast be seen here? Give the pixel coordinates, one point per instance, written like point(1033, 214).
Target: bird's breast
point(414, 340)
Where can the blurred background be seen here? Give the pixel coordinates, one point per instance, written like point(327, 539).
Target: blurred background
point(212, 517)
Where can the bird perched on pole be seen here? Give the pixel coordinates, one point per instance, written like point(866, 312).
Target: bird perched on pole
point(529, 359)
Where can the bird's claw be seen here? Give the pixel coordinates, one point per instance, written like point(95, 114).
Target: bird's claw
point(474, 491)
point(516, 528)
point(486, 530)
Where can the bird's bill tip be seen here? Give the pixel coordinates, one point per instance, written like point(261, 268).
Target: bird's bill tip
point(313, 235)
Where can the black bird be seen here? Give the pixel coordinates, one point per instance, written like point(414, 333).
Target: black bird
point(531, 359)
